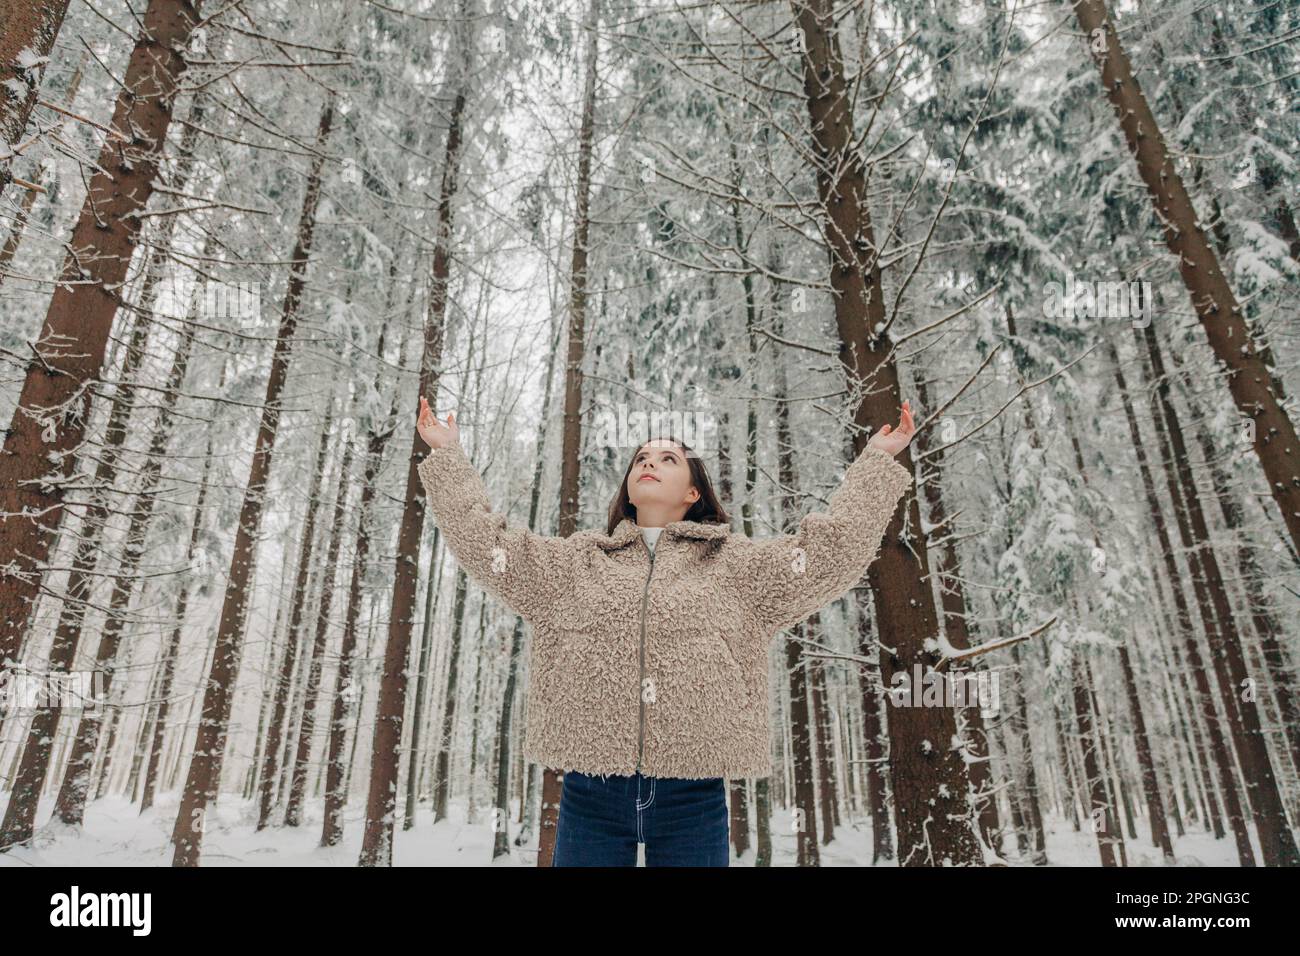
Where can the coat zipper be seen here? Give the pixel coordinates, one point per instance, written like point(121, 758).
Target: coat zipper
point(640, 684)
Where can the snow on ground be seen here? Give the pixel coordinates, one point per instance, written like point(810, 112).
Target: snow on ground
point(116, 834)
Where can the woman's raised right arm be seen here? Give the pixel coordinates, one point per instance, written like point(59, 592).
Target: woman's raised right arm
point(530, 572)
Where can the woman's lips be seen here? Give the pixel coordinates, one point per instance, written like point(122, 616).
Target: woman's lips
point(650, 477)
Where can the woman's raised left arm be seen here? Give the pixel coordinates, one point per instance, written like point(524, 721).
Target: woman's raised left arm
point(787, 577)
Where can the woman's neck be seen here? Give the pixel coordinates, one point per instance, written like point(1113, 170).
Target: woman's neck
point(655, 518)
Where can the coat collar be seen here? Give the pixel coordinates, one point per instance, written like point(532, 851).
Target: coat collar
point(627, 531)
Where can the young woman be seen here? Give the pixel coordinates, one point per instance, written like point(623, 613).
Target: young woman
point(648, 674)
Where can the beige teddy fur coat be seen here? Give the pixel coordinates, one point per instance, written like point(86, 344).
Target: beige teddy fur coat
point(658, 663)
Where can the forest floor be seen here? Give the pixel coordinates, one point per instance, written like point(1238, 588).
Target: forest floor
point(116, 834)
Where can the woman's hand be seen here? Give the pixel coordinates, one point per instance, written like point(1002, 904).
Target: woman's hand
point(436, 434)
point(894, 440)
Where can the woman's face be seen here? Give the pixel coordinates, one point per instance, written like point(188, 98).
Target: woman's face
point(661, 478)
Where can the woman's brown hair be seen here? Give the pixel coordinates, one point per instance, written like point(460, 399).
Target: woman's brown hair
point(706, 509)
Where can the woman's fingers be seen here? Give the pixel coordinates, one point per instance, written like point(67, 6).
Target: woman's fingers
point(905, 420)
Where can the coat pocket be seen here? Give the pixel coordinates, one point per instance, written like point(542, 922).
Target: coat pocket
point(714, 654)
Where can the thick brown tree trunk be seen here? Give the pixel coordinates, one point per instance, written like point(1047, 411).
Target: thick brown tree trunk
point(952, 598)
point(50, 419)
point(1262, 613)
point(20, 817)
point(69, 357)
point(930, 782)
point(1275, 440)
point(70, 805)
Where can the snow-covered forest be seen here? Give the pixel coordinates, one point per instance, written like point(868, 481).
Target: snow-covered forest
point(241, 239)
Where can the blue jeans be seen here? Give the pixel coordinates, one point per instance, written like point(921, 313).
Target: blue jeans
point(602, 819)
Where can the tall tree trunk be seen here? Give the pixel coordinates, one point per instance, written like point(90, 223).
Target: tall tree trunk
point(79, 318)
point(801, 745)
point(283, 678)
point(20, 817)
point(801, 757)
point(52, 409)
point(571, 442)
point(344, 702)
point(738, 825)
point(143, 732)
point(381, 801)
point(952, 598)
point(1262, 613)
point(71, 803)
point(442, 768)
point(1218, 745)
point(1109, 771)
point(1275, 440)
point(501, 800)
point(930, 783)
point(307, 726)
point(825, 737)
point(873, 734)
point(421, 682)
point(1100, 815)
point(70, 806)
point(203, 781)
point(1275, 836)
point(362, 682)
point(1026, 802)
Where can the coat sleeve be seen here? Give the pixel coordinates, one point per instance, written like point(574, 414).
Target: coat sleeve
point(529, 571)
point(787, 577)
